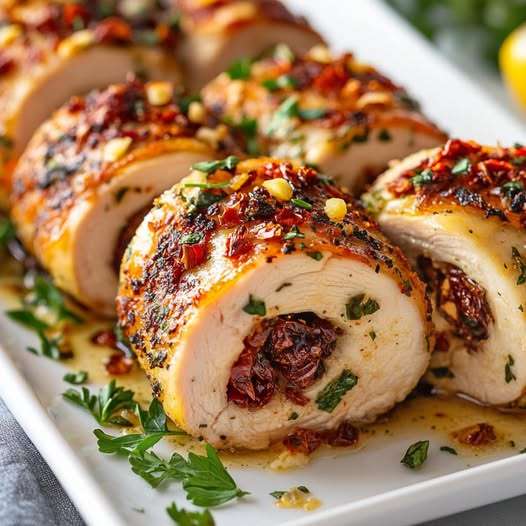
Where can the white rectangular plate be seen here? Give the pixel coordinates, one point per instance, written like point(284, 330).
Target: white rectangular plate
point(367, 487)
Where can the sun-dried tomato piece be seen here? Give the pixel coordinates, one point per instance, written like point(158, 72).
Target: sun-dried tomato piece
point(303, 441)
point(105, 338)
point(346, 435)
point(238, 242)
point(119, 364)
point(113, 30)
point(477, 435)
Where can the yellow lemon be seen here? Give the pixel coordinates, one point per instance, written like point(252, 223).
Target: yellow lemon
point(512, 59)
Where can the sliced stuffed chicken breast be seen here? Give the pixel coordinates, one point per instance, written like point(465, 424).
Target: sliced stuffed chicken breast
point(217, 33)
point(334, 112)
point(51, 51)
point(458, 212)
point(262, 303)
point(89, 175)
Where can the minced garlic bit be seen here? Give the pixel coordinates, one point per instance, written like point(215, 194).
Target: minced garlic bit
point(278, 188)
point(8, 34)
point(196, 112)
point(335, 208)
point(76, 42)
point(300, 498)
point(116, 148)
point(320, 53)
point(159, 93)
point(368, 99)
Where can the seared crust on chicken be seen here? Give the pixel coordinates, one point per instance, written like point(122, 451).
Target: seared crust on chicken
point(459, 212)
point(334, 112)
point(260, 298)
point(50, 51)
point(219, 32)
point(87, 173)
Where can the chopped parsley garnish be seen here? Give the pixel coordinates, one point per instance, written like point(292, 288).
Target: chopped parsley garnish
point(330, 396)
point(416, 454)
point(249, 128)
point(511, 188)
point(311, 114)
point(293, 416)
point(384, 135)
point(277, 494)
point(283, 81)
point(373, 202)
point(461, 167)
point(301, 204)
point(205, 479)
point(152, 420)
point(207, 186)
point(211, 166)
point(104, 405)
point(293, 233)
point(450, 450)
point(358, 306)
point(76, 378)
point(191, 239)
point(255, 307)
point(49, 347)
point(442, 372)
point(509, 375)
point(7, 231)
point(240, 69)
point(183, 517)
point(286, 110)
point(318, 256)
point(520, 264)
point(27, 319)
point(422, 178)
point(126, 444)
point(184, 102)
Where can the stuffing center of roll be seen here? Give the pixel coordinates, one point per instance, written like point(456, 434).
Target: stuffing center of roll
point(262, 301)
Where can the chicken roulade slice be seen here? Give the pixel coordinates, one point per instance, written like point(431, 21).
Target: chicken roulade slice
point(82, 185)
point(340, 115)
point(260, 299)
point(458, 212)
point(218, 33)
point(51, 51)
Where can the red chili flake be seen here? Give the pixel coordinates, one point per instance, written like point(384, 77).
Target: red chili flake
point(7, 64)
point(238, 242)
point(455, 148)
point(194, 255)
point(105, 338)
point(476, 435)
point(113, 30)
point(303, 441)
point(332, 78)
point(119, 364)
point(288, 217)
point(345, 436)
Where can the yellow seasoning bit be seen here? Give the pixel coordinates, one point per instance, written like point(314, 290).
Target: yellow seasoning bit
point(238, 181)
point(196, 112)
point(76, 42)
point(8, 34)
point(299, 498)
point(116, 148)
point(159, 93)
point(335, 208)
point(278, 188)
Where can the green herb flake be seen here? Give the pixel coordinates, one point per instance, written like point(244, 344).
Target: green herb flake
point(461, 167)
point(78, 378)
point(293, 233)
point(126, 444)
point(422, 178)
point(277, 494)
point(372, 335)
point(7, 231)
point(207, 186)
point(318, 256)
point(450, 450)
point(184, 102)
point(416, 454)
point(27, 319)
point(358, 306)
point(183, 517)
point(509, 375)
point(240, 69)
point(249, 128)
point(293, 416)
point(44, 293)
point(520, 265)
point(311, 114)
point(331, 395)
point(301, 204)
point(442, 372)
point(191, 239)
point(281, 82)
point(384, 135)
point(211, 166)
point(511, 188)
point(255, 307)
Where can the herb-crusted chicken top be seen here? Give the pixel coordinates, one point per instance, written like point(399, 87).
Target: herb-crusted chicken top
point(487, 180)
point(244, 213)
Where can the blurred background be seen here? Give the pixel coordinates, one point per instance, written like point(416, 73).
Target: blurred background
point(485, 38)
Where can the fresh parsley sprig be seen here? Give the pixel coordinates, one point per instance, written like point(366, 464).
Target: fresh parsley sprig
point(183, 517)
point(156, 470)
point(104, 405)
